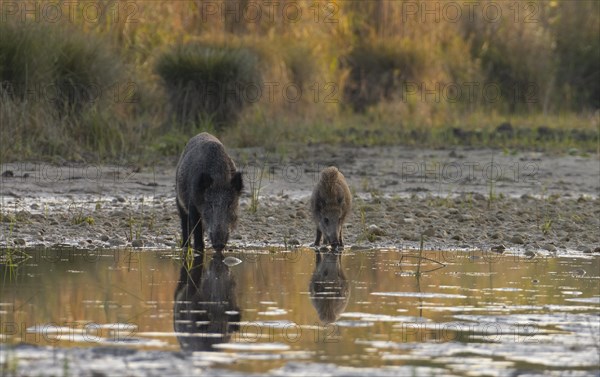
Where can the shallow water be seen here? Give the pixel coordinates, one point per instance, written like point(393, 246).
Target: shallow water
point(468, 313)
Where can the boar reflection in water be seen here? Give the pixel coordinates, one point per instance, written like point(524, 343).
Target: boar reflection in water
point(205, 311)
point(329, 288)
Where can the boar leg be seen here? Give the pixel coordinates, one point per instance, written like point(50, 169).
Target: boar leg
point(197, 228)
point(341, 238)
point(185, 227)
point(318, 239)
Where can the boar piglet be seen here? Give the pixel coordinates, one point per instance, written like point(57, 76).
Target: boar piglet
point(331, 202)
point(208, 188)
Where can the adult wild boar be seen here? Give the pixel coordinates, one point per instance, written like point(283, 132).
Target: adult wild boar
point(208, 188)
point(330, 204)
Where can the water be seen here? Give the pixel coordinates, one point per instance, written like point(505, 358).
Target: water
point(467, 313)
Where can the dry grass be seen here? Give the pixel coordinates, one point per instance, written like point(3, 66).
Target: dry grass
point(345, 72)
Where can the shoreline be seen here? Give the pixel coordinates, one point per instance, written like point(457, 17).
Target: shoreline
point(539, 203)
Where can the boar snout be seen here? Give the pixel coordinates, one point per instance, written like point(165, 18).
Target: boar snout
point(333, 240)
point(218, 229)
point(218, 239)
point(331, 228)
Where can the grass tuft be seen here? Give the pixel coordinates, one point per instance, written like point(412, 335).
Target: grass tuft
point(377, 69)
point(209, 83)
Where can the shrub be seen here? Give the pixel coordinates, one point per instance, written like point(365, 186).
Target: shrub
point(517, 58)
point(576, 26)
point(84, 72)
point(56, 65)
point(300, 63)
point(378, 69)
point(22, 56)
point(57, 95)
point(210, 82)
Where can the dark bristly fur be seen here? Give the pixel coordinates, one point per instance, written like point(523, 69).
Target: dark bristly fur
point(330, 204)
point(208, 187)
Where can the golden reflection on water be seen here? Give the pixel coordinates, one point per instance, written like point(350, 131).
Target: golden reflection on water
point(77, 298)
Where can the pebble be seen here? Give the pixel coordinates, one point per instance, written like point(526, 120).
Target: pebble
point(116, 242)
point(549, 247)
point(517, 239)
point(232, 261)
point(5, 218)
point(104, 238)
point(19, 242)
point(375, 230)
point(137, 243)
point(430, 232)
point(498, 249)
point(410, 237)
point(23, 215)
point(478, 196)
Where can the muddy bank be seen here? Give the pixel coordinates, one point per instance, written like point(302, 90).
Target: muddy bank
point(526, 202)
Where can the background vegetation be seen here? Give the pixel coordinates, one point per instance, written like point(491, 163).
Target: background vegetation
point(118, 79)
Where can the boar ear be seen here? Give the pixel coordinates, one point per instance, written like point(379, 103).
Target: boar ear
point(204, 182)
point(236, 182)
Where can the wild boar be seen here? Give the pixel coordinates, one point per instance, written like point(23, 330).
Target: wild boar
point(208, 188)
point(331, 202)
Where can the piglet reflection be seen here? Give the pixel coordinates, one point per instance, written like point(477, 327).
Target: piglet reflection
point(205, 311)
point(329, 288)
